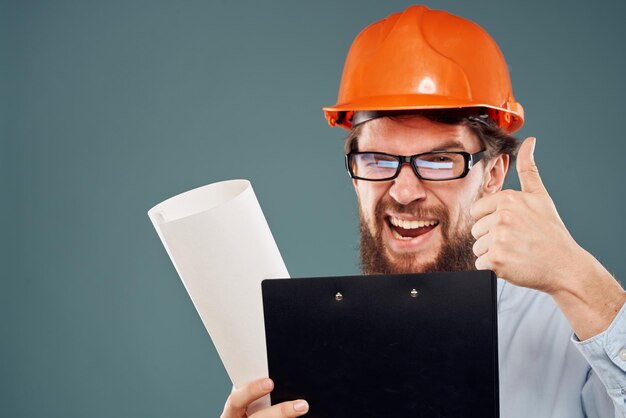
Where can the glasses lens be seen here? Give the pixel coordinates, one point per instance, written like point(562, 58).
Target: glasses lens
point(374, 166)
point(440, 166)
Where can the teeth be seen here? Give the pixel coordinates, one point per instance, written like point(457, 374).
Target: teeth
point(398, 236)
point(411, 224)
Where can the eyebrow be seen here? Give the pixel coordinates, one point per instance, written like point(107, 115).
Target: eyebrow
point(452, 143)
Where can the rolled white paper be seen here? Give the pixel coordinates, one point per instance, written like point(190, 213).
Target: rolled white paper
point(222, 248)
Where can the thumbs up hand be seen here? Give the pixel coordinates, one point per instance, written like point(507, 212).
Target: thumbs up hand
point(519, 234)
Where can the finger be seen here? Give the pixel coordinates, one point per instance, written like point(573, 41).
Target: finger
point(527, 170)
point(483, 262)
point(241, 398)
point(483, 225)
point(284, 410)
point(484, 206)
point(481, 246)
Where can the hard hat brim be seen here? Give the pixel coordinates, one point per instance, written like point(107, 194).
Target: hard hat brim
point(509, 117)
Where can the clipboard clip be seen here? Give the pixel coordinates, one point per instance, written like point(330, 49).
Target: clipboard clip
point(339, 296)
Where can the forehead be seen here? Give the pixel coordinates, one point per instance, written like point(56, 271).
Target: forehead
point(413, 135)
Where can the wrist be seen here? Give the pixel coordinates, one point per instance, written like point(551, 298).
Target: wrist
point(573, 272)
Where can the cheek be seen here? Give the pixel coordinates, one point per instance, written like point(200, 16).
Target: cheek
point(369, 195)
point(463, 215)
point(458, 199)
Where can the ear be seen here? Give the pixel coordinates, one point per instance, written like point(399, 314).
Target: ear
point(495, 174)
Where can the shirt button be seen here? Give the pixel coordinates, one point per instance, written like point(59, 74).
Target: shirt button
point(622, 354)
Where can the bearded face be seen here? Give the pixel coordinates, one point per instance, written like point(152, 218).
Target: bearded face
point(411, 225)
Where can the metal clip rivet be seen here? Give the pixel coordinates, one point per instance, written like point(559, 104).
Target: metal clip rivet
point(414, 293)
point(338, 296)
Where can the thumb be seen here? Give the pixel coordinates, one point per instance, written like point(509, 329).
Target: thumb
point(527, 170)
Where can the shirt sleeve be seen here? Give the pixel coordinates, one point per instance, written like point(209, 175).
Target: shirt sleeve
point(606, 354)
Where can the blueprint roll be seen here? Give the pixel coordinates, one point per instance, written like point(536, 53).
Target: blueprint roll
point(222, 248)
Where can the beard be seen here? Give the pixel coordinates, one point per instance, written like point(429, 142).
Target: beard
point(456, 253)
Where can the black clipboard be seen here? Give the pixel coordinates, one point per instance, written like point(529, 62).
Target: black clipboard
point(416, 345)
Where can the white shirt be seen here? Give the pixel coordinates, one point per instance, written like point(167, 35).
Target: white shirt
point(545, 371)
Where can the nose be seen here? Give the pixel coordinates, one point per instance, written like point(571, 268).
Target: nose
point(407, 187)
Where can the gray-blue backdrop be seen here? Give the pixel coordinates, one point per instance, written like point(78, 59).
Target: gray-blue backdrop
point(108, 107)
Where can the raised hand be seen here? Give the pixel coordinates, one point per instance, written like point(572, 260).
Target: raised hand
point(519, 234)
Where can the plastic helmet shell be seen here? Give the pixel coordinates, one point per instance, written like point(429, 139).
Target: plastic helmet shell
point(425, 59)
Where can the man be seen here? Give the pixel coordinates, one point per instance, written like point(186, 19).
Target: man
point(427, 98)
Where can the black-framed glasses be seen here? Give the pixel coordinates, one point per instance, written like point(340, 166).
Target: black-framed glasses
point(434, 166)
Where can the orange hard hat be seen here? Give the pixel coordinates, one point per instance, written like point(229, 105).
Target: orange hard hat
point(425, 59)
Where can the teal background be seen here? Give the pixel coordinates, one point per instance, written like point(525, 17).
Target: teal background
point(108, 108)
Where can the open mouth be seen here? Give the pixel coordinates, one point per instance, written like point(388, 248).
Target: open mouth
point(406, 230)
